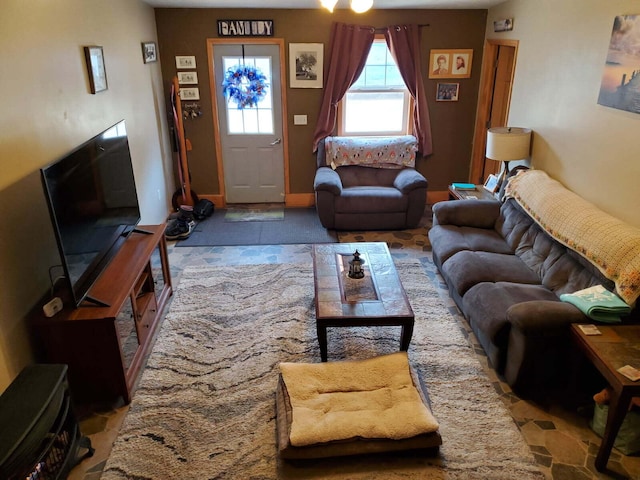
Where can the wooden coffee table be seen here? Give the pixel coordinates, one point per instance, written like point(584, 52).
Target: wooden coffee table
point(376, 300)
point(616, 347)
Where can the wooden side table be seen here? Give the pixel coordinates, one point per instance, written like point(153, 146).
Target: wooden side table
point(616, 347)
point(479, 193)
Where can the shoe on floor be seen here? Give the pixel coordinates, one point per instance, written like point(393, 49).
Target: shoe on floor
point(179, 229)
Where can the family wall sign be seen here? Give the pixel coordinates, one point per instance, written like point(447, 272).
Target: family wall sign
point(245, 28)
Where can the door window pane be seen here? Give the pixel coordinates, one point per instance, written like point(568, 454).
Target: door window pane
point(257, 119)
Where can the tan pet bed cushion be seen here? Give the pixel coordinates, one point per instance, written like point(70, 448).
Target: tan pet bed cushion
point(347, 408)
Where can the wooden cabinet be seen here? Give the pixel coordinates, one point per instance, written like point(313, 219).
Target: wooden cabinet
point(105, 347)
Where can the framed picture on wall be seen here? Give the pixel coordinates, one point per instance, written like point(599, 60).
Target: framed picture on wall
point(305, 65)
point(188, 78)
point(149, 52)
point(188, 61)
point(447, 92)
point(189, 94)
point(504, 25)
point(95, 66)
point(450, 63)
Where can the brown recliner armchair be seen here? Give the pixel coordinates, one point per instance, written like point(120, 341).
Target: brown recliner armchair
point(366, 197)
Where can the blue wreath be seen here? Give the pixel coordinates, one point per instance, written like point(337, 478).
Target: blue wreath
point(245, 85)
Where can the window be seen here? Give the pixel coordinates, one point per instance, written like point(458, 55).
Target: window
point(250, 120)
point(378, 102)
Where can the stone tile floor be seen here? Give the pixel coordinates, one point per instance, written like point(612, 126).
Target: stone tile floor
point(561, 441)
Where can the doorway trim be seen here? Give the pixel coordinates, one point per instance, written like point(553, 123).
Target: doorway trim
point(211, 43)
point(485, 95)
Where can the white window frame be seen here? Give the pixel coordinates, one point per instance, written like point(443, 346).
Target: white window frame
point(407, 126)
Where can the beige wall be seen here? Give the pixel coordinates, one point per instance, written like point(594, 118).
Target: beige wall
point(591, 149)
point(47, 110)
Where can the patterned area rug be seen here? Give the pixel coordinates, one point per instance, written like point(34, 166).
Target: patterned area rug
point(205, 407)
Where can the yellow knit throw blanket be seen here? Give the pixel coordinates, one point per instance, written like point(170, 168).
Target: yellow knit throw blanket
point(373, 398)
point(608, 243)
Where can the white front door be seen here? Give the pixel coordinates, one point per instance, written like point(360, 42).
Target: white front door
point(251, 138)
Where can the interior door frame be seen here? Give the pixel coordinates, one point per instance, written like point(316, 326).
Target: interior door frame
point(485, 95)
point(211, 43)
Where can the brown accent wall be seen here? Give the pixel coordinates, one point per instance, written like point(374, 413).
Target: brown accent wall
point(185, 32)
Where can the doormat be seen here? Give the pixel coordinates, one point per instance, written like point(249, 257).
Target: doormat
point(254, 215)
point(299, 226)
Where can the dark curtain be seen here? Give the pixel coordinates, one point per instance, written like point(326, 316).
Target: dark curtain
point(404, 43)
point(348, 51)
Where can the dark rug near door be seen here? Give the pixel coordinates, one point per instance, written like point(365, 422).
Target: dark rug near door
point(300, 225)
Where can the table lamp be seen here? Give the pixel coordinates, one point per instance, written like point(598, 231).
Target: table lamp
point(505, 144)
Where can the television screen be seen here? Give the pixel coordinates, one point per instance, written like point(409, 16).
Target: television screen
point(92, 199)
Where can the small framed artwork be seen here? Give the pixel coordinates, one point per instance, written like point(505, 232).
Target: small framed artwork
point(505, 25)
point(491, 184)
point(188, 61)
point(447, 92)
point(189, 94)
point(306, 65)
point(95, 66)
point(188, 78)
point(149, 52)
point(461, 63)
point(450, 63)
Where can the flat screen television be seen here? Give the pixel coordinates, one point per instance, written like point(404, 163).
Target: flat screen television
point(92, 199)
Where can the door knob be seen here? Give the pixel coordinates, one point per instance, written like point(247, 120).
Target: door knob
point(276, 142)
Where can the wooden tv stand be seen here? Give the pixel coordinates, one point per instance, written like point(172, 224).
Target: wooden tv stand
point(105, 347)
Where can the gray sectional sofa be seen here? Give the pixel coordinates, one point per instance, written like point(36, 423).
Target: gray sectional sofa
point(506, 273)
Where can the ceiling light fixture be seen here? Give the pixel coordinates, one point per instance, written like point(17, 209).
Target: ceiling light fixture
point(329, 4)
point(361, 6)
point(358, 6)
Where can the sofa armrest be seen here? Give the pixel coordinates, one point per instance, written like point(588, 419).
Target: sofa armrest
point(544, 316)
point(467, 213)
point(538, 356)
point(409, 179)
point(327, 180)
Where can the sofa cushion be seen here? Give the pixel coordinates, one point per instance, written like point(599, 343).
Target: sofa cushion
point(371, 199)
point(466, 269)
point(512, 223)
point(478, 213)
point(355, 176)
point(567, 275)
point(538, 251)
point(447, 240)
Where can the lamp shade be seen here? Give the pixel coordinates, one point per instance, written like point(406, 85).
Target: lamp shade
point(508, 143)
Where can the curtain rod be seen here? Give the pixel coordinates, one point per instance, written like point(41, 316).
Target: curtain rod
point(384, 29)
